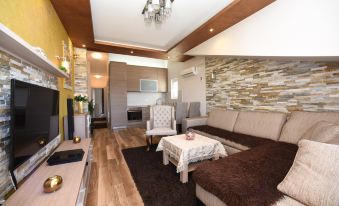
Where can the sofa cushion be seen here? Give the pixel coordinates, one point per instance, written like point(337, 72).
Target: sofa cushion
point(287, 201)
point(314, 176)
point(260, 124)
point(248, 178)
point(323, 131)
point(222, 119)
point(300, 122)
point(236, 140)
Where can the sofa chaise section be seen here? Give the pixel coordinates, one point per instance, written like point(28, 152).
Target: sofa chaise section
point(247, 178)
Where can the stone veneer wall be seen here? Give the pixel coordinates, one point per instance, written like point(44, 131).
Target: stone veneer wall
point(80, 72)
point(252, 84)
point(11, 67)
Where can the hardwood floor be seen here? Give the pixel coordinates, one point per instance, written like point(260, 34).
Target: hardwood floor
point(111, 182)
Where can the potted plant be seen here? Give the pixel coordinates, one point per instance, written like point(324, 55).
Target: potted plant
point(80, 100)
point(91, 107)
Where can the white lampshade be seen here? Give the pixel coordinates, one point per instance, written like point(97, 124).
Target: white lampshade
point(150, 8)
point(168, 4)
point(156, 4)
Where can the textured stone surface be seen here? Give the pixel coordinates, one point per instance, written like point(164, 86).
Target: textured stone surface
point(14, 68)
point(80, 72)
point(252, 84)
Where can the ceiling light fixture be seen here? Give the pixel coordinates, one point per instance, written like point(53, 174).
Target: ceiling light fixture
point(157, 10)
point(84, 45)
point(96, 55)
point(97, 76)
point(132, 52)
point(211, 29)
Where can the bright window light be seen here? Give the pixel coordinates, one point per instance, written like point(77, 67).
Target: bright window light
point(174, 88)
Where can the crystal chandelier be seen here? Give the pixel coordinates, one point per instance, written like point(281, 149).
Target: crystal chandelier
point(157, 10)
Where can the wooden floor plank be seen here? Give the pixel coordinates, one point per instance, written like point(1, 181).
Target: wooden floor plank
point(111, 182)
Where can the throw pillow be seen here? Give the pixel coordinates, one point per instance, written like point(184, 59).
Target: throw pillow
point(323, 131)
point(314, 176)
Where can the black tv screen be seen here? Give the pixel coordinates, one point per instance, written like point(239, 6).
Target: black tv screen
point(34, 119)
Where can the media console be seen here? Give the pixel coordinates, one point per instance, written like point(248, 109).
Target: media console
point(75, 181)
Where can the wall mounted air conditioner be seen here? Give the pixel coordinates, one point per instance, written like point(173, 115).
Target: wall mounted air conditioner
point(192, 71)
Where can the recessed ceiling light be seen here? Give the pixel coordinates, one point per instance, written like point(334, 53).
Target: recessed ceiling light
point(96, 55)
point(132, 52)
point(84, 45)
point(97, 76)
point(211, 29)
point(168, 57)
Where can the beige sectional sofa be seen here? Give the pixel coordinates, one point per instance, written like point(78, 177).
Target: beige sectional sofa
point(258, 124)
point(229, 127)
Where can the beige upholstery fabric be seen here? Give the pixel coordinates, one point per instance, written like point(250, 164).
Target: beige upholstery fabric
point(222, 119)
point(323, 131)
point(161, 131)
point(230, 150)
point(191, 122)
point(260, 124)
point(287, 201)
point(300, 122)
point(208, 198)
point(162, 116)
point(314, 176)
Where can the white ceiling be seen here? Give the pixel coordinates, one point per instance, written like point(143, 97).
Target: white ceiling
point(121, 22)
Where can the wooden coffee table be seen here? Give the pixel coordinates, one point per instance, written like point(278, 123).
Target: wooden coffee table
point(186, 154)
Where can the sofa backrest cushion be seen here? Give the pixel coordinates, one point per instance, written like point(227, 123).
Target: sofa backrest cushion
point(300, 122)
point(260, 124)
point(222, 119)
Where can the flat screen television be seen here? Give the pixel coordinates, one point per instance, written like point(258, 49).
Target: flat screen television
point(34, 119)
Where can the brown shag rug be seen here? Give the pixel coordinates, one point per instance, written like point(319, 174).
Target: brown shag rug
point(158, 184)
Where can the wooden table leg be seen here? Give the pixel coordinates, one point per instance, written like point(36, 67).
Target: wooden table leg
point(147, 142)
point(184, 176)
point(165, 157)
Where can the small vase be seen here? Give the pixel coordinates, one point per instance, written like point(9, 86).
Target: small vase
point(80, 107)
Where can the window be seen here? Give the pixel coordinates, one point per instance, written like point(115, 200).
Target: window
point(174, 88)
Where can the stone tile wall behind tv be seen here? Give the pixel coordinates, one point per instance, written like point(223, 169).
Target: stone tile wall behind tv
point(11, 67)
point(285, 86)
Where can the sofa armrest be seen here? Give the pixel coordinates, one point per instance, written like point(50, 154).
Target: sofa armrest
point(191, 122)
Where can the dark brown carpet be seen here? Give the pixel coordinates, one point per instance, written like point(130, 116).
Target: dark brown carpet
point(158, 184)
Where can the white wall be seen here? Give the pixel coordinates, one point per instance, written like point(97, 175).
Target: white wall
point(192, 89)
point(142, 99)
point(138, 61)
point(288, 28)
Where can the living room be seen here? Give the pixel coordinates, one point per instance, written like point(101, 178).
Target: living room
point(167, 102)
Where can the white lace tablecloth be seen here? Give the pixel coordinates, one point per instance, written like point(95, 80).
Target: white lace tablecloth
point(188, 151)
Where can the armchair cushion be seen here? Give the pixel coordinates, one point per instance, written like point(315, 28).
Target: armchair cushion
point(161, 131)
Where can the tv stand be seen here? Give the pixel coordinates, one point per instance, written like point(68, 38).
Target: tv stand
point(75, 181)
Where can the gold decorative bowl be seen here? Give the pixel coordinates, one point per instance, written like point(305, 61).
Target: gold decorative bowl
point(52, 184)
point(76, 140)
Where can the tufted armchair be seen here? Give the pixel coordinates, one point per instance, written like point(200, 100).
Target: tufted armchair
point(162, 122)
